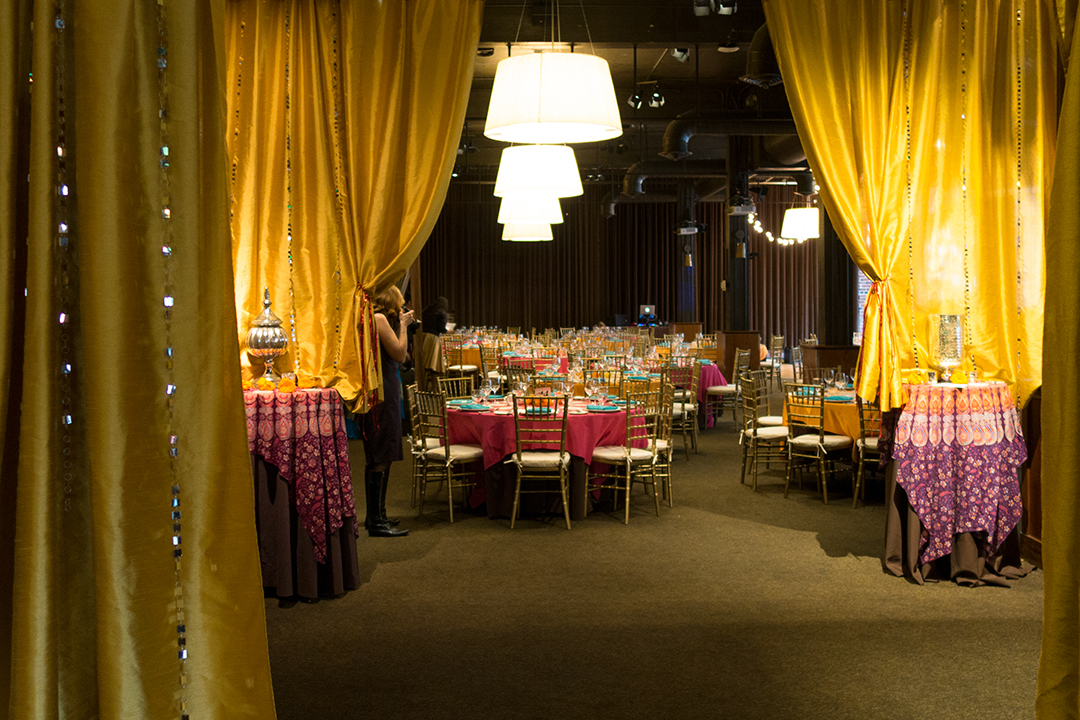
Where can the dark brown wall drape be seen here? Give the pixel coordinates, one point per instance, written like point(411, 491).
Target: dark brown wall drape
point(783, 282)
point(599, 267)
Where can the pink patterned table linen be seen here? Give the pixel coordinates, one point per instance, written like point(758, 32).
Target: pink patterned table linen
point(303, 434)
point(710, 376)
point(957, 450)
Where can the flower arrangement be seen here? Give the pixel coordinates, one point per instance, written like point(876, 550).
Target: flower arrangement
point(248, 384)
point(264, 384)
point(305, 381)
point(286, 385)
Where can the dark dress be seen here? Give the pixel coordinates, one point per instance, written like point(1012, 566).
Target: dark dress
point(380, 427)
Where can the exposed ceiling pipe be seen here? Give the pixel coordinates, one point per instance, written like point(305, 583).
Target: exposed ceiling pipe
point(635, 176)
point(678, 133)
point(613, 198)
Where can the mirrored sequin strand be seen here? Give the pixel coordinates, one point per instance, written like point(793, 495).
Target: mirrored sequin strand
point(171, 441)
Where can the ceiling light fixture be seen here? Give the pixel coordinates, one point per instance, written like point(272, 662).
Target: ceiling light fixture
point(726, 7)
point(801, 224)
point(730, 45)
point(527, 233)
point(553, 97)
point(529, 209)
point(680, 54)
point(540, 169)
point(635, 100)
point(656, 99)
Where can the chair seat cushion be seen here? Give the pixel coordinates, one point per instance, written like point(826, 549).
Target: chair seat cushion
point(464, 368)
point(768, 433)
point(767, 364)
point(687, 407)
point(458, 453)
point(829, 442)
point(721, 390)
point(770, 420)
point(870, 443)
point(494, 375)
point(543, 459)
point(428, 443)
point(662, 445)
point(617, 454)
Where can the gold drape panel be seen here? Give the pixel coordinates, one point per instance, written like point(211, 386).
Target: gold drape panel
point(948, 230)
point(1059, 665)
point(362, 150)
point(594, 269)
point(90, 595)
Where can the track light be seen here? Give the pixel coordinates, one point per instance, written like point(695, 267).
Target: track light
point(729, 45)
point(726, 7)
point(656, 99)
point(456, 171)
point(680, 54)
point(634, 100)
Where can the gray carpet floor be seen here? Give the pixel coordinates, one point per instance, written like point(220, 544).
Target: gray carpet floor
point(731, 604)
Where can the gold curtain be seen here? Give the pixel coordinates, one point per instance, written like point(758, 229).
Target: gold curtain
point(930, 127)
point(344, 119)
point(1059, 666)
point(97, 605)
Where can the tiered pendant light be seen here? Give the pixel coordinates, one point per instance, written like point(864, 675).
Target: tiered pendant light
point(529, 209)
point(549, 170)
point(553, 97)
point(538, 232)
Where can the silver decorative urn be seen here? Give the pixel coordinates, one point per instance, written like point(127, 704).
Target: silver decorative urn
point(947, 343)
point(266, 340)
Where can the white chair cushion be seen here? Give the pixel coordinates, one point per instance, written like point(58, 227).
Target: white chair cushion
point(768, 433)
point(617, 454)
point(676, 413)
point(543, 459)
point(829, 442)
point(681, 394)
point(458, 453)
point(771, 420)
point(767, 364)
point(662, 445)
point(428, 443)
point(494, 375)
point(869, 443)
point(688, 407)
point(721, 390)
point(463, 368)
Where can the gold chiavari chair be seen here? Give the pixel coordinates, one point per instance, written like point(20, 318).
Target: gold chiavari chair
point(490, 353)
point(719, 397)
point(516, 374)
point(819, 375)
point(684, 413)
point(775, 362)
point(763, 411)
point(540, 426)
point(867, 444)
point(454, 351)
point(456, 388)
point(664, 448)
point(611, 378)
point(761, 443)
point(633, 461)
point(444, 462)
point(807, 439)
point(797, 365)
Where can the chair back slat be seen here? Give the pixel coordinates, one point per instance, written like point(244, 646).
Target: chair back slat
point(456, 388)
point(805, 404)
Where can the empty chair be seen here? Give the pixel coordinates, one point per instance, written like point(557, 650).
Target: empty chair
point(454, 351)
point(540, 449)
point(664, 448)
point(760, 443)
point(819, 375)
point(443, 462)
point(807, 439)
point(489, 362)
point(684, 413)
point(776, 360)
point(796, 364)
point(867, 444)
point(763, 409)
point(517, 375)
point(635, 460)
point(719, 397)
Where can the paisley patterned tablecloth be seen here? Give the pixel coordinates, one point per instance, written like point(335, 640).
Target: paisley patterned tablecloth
point(302, 433)
point(957, 450)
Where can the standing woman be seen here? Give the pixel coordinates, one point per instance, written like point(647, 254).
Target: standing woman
point(381, 425)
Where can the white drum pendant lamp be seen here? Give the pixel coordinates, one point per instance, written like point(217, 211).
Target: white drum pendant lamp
point(553, 98)
point(541, 169)
point(527, 233)
point(529, 209)
point(801, 223)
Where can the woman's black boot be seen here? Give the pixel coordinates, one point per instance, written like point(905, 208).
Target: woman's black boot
point(374, 482)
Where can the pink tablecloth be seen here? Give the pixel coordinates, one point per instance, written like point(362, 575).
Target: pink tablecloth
point(956, 451)
point(710, 376)
point(303, 434)
point(495, 433)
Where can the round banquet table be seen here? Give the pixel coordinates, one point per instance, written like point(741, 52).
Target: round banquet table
point(495, 434)
point(304, 513)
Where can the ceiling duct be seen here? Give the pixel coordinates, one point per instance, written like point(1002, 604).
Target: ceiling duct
point(633, 182)
point(762, 67)
point(707, 188)
point(678, 133)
